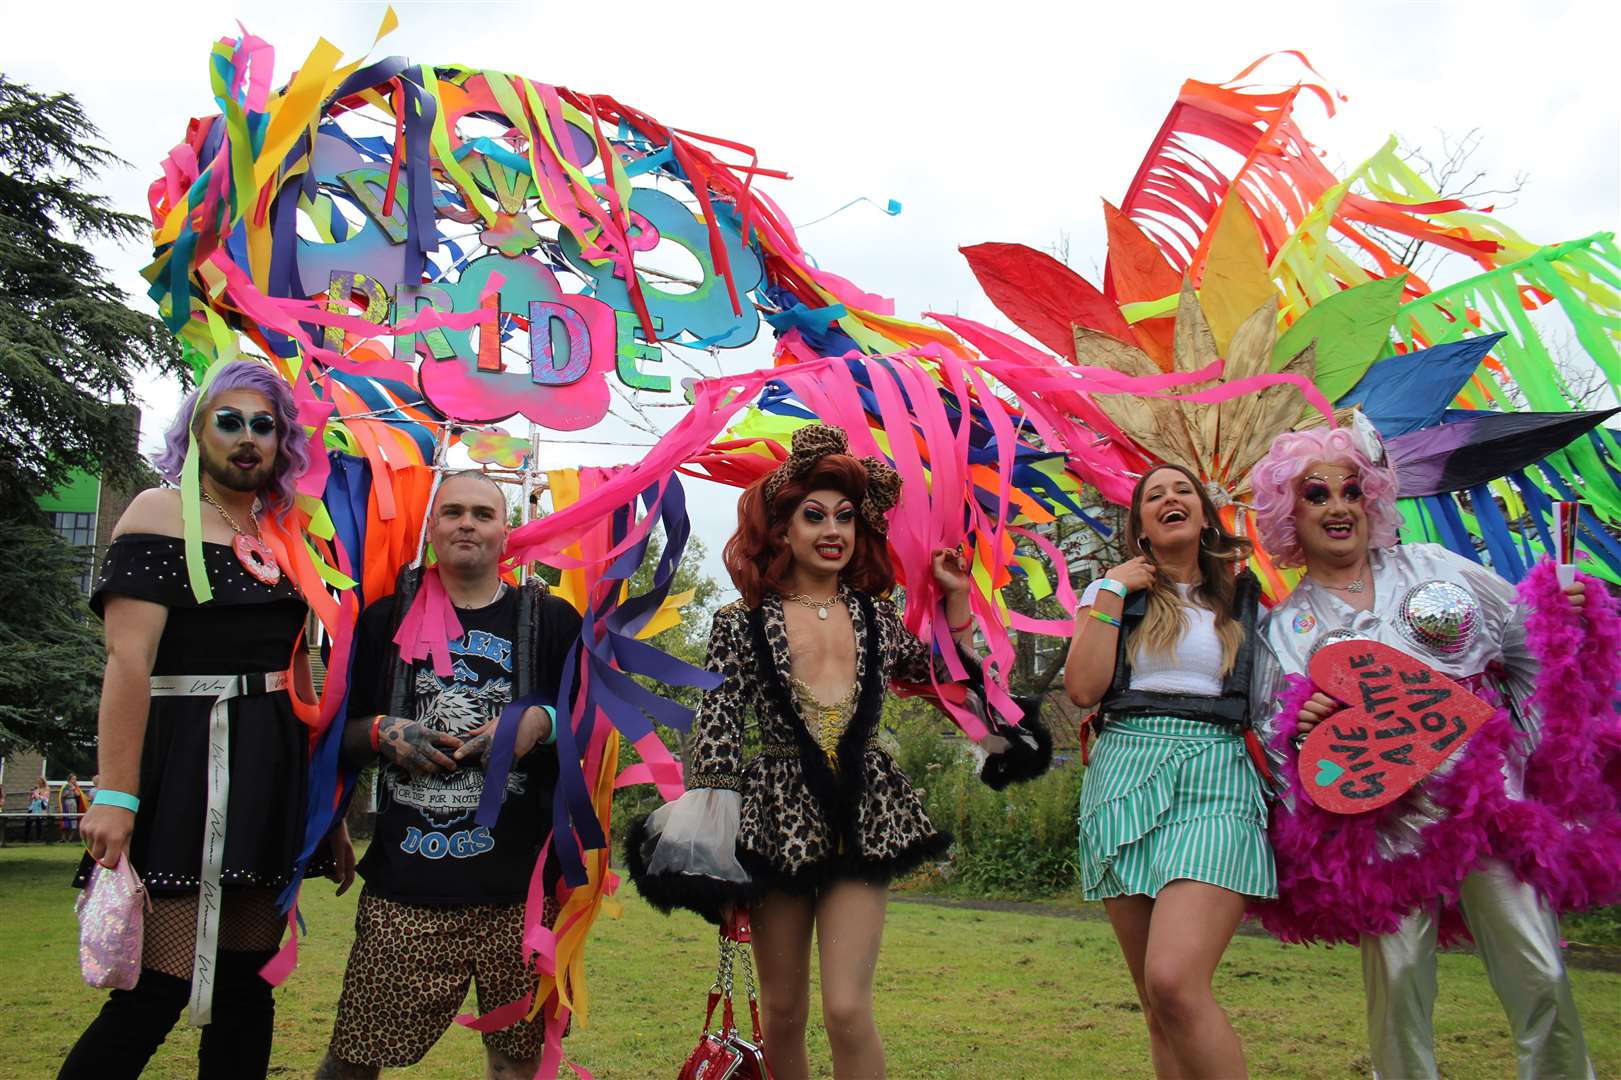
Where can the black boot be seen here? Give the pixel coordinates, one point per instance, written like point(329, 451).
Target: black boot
point(236, 1044)
point(128, 1030)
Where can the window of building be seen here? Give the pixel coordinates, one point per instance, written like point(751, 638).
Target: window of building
point(78, 529)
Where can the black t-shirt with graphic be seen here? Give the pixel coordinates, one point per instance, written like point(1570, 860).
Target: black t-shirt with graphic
point(426, 848)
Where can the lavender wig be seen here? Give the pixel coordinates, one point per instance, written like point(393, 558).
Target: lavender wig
point(292, 453)
point(1274, 483)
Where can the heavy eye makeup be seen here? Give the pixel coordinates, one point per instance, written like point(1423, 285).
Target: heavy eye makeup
point(815, 513)
point(1316, 492)
point(230, 422)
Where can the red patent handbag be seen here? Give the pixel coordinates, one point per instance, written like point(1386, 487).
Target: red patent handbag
point(723, 1053)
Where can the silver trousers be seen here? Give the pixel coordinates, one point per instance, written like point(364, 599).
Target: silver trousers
point(1517, 935)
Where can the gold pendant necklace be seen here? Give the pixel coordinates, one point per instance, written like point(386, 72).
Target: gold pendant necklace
point(822, 606)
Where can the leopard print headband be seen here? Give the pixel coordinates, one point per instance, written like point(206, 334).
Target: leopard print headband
point(816, 441)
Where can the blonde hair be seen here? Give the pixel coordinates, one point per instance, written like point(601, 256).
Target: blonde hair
point(1166, 618)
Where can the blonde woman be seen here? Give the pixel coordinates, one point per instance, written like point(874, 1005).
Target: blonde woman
point(1173, 819)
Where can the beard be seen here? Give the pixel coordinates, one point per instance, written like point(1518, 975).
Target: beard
point(228, 475)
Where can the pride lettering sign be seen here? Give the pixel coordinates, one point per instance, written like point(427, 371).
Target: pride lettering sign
point(491, 218)
point(498, 245)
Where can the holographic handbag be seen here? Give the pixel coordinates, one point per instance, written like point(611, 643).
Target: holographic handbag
point(112, 915)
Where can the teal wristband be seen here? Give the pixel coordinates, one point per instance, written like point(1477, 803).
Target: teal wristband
point(121, 799)
point(551, 736)
point(1111, 585)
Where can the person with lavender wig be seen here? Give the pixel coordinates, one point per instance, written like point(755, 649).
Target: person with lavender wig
point(1423, 867)
point(190, 684)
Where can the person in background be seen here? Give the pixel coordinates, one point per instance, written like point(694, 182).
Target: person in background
point(39, 806)
point(71, 802)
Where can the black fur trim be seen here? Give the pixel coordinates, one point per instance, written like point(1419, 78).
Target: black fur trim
point(814, 878)
point(1020, 761)
point(839, 794)
point(705, 896)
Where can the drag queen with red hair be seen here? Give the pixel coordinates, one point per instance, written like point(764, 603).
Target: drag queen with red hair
point(809, 831)
point(1522, 823)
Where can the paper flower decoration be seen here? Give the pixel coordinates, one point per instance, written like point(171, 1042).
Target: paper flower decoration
point(496, 447)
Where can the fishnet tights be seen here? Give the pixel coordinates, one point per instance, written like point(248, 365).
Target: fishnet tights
point(249, 922)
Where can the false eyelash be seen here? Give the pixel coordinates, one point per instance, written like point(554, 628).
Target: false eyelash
point(1315, 494)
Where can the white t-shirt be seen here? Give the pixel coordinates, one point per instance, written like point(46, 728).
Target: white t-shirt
point(1194, 667)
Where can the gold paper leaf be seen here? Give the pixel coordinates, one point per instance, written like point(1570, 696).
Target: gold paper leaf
point(1250, 354)
point(1278, 408)
point(1236, 280)
point(1195, 349)
point(1153, 423)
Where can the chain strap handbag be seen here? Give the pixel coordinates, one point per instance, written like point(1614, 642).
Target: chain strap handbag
point(723, 1053)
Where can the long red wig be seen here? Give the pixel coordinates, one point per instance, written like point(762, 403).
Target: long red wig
point(758, 557)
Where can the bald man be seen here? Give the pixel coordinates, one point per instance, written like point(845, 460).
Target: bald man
point(444, 897)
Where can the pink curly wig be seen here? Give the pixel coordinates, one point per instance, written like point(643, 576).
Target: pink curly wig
point(1274, 483)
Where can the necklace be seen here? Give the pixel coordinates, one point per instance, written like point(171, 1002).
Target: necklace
point(1356, 586)
point(252, 552)
point(500, 587)
point(821, 606)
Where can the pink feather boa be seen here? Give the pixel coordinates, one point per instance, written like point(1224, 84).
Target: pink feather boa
point(1563, 837)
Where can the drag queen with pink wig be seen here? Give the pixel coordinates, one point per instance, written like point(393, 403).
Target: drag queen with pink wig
point(1522, 824)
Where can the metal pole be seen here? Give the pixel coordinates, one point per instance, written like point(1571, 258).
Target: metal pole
point(439, 455)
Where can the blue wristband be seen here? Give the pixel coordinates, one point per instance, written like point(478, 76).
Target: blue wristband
point(121, 799)
point(551, 736)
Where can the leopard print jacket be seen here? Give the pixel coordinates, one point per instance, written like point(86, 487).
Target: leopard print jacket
point(807, 821)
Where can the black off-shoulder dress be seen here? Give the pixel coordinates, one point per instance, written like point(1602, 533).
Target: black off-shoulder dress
point(247, 628)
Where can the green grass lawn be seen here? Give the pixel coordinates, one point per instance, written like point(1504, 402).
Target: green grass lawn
point(961, 993)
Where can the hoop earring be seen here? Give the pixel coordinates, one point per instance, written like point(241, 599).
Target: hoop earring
point(1209, 529)
point(1142, 544)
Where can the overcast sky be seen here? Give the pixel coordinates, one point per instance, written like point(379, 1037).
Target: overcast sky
point(1006, 121)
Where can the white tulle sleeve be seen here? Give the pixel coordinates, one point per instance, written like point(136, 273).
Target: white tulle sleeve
point(697, 835)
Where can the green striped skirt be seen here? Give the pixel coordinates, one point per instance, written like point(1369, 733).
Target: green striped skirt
point(1167, 798)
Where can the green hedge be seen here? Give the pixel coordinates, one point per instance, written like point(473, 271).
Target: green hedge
point(1017, 843)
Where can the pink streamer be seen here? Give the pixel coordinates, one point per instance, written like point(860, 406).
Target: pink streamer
point(278, 967)
point(429, 625)
point(1063, 628)
point(658, 767)
point(287, 315)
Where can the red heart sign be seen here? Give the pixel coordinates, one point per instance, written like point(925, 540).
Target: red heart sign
point(1403, 718)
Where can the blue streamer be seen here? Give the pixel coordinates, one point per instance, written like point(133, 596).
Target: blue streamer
point(1494, 531)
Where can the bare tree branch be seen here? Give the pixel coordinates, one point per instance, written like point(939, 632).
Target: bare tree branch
point(1452, 174)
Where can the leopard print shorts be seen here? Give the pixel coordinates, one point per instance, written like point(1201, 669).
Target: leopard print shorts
point(408, 975)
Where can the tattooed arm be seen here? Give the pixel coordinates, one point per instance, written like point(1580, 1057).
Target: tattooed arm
point(404, 742)
point(414, 748)
point(534, 727)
